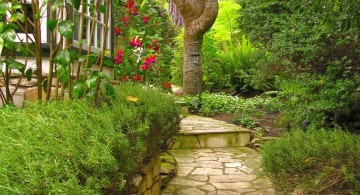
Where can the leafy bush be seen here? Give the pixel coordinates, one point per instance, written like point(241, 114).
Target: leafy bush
point(143, 35)
point(221, 103)
point(303, 35)
point(243, 110)
point(317, 162)
point(158, 109)
point(325, 100)
point(72, 147)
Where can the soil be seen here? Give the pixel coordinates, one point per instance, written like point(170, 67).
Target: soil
point(265, 121)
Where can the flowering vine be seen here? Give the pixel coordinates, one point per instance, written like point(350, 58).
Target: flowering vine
point(142, 55)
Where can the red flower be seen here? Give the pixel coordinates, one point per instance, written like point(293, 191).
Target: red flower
point(155, 46)
point(167, 85)
point(123, 79)
point(152, 58)
point(130, 4)
point(126, 19)
point(137, 78)
point(147, 61)
point(120, 53)
point(118, 60)
point(116, 31)
point(144, 67)
point(135, 42)
point(146, 19)
point(135, 12)
point(119, 56)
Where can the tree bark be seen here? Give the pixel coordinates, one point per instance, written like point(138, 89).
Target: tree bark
point(199, 16)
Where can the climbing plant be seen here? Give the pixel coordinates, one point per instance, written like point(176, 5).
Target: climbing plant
point(63, 56)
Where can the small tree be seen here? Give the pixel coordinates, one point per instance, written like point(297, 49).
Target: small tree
point(198, 16)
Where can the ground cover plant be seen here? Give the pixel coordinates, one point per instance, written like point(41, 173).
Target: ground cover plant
point(74, 147)
point(257, 113)
point(315, 162)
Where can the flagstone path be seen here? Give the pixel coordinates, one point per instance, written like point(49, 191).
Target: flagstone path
point(218, 171)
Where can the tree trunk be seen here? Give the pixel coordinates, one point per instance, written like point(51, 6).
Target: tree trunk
point(199, 16)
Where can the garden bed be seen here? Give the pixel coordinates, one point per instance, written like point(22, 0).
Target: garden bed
point(78, 148)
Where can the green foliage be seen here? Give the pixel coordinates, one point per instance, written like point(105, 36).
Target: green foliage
point(159, 109)
point(318, 162)
point(326, 100)
point(72, 147)
point(62, 60)
point(243, 109)
point(311, 49)
point(225, 26)
point(154, 35)
point(229, 60)
point(303, 34)
point(177, 62)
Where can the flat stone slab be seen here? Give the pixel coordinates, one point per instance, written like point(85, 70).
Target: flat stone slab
point(195, 125)
point(201, 132)
point(206, 172)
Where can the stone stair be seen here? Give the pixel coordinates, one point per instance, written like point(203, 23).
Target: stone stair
point(212, 160)
point(202, 132)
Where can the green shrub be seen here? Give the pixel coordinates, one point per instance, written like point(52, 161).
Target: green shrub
point(212, 104)
point(317, 162)
point(160, 111)
point(325, 100)
point(297, 36)
point(72, 147)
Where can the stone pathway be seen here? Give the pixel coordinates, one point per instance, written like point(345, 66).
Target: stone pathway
point(218, 171)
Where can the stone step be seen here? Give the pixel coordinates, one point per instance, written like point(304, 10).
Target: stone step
point(202, 132)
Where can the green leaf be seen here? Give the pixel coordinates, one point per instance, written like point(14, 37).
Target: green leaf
point(17, 16)
point(2, 27)
point(103, 9)
point(91, 8)
point(104, 76)
point(19, 47)
point(142, 4)
point(28, 74)
point(1, 45)
point(108, 63)
point(92, 81)
point(72, 56)
point(9, 36)
point(110, 90)
point(79, 90)
point(15, 5)
point(13, 64)
point(63, 73)
point(44, 84)
point(51, 24)
point(92, 60)
point(66, 28)
point(91, 94)
point(4, 6)
point(63, 58)
point(75, 4)
point(57, 4)
point(37, 15)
